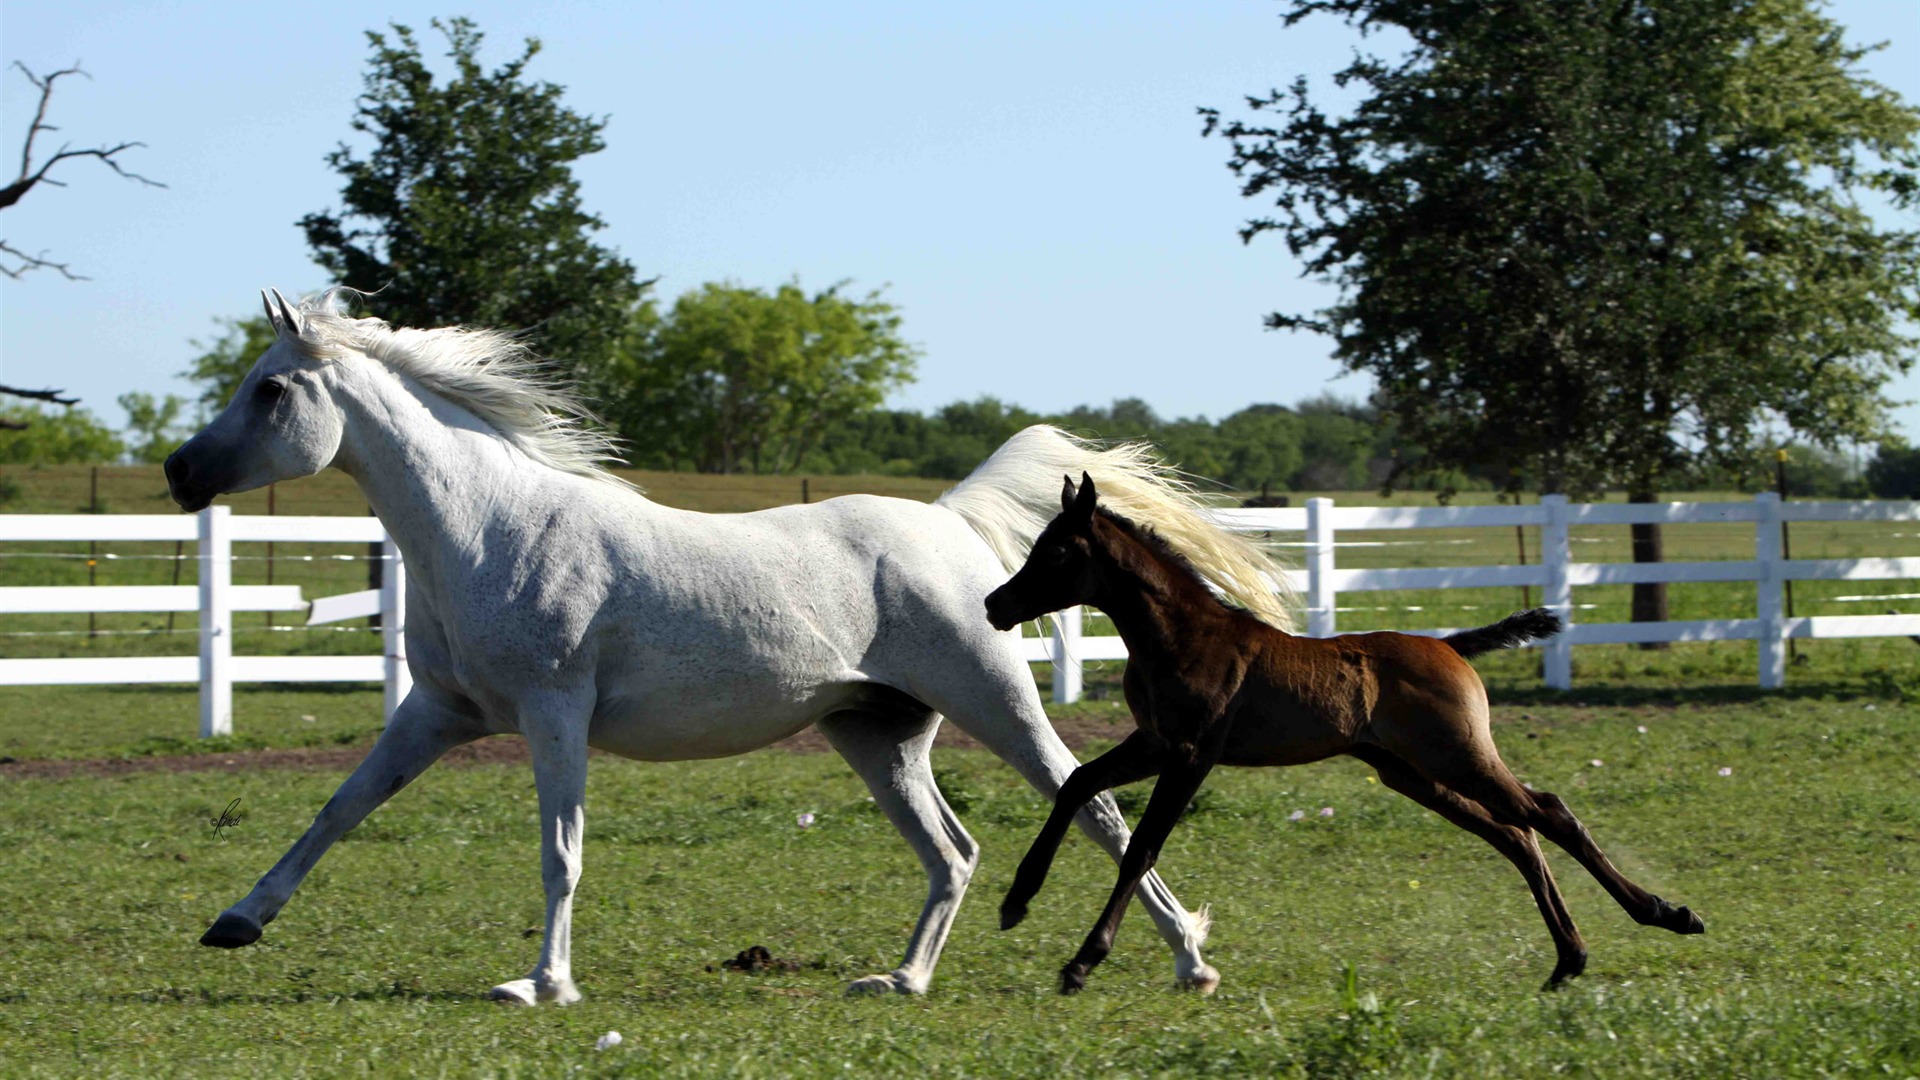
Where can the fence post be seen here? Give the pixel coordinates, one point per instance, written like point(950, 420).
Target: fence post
point(1320, 594)
point(216, 622)
point(1555, 553)
point(1766, 550)
point(1066, 656)
point(393, 625)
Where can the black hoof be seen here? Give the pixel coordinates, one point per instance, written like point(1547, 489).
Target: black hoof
point(231, 931)
point(1567, 968)
point(1011, 915)
point(1073, 979)
point(1677, 918)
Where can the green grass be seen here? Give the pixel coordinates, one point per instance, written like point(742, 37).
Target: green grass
point(1802, 862)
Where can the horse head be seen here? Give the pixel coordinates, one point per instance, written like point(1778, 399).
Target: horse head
point(1059, 571)
point(282, 422)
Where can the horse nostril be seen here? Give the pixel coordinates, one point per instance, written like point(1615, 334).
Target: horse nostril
point(175, 469)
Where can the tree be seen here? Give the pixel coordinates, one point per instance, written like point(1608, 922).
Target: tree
point(154, 425)
point(32, 176)
point(225, 361)
point(735, 379)
point(1894, 472)
point(466, 209)
point(34, 435)
point(1599, 242)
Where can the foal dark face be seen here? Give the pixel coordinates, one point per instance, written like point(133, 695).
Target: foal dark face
point(1059, 570)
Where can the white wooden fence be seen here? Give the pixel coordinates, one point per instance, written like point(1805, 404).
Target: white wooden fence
point(1320, 581)
point(215, 598)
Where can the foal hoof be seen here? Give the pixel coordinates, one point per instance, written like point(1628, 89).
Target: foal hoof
point(1073, 979)
point(1011, 914)
point(231, 931)
point(1567, 968)
point(1203, 982)
point(1678, 918)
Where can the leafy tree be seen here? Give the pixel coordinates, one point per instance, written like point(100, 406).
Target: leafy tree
point(1262, 448)
point(153, 425)
point(736, 379)
point(34, 435)
point(227, 359)
point(466, 209)
point(1894, 472)
point(1602, 241)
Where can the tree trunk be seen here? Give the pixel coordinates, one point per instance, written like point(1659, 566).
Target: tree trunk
point(1649, 598)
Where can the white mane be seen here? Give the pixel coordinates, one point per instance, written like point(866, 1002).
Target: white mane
point(488, 372)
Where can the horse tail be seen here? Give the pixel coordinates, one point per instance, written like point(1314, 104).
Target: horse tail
point(1012, 496)
point(1515, 630)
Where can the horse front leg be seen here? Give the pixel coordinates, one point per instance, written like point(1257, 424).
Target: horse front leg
point(1179, 781)
point(421, 730)
point(1137, 757)
point(557, 740)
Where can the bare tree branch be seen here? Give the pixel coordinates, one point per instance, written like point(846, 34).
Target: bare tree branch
point(40, 395)
point(30, 176)
point(34, 262)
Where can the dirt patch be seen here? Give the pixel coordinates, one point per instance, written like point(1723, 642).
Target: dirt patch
point(1077, 731)
point(757, 958)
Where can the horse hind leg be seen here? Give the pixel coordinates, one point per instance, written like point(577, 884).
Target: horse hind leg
point(1517, 844)
point(888, 747)
point(1476, 771)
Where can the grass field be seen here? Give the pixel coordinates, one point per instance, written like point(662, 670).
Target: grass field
point(1802, 861)
point(1801, 858)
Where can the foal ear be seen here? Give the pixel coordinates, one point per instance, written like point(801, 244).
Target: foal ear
point(273, 317)
point(1066, 494)
point(1082, 507)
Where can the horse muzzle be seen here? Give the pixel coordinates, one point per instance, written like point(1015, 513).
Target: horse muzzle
point(189, 491)
point(1001, 612)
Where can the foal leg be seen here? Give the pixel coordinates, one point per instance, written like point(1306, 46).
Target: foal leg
point(889, 751)
point(1136, 758)
point(1476, 771)
point(556, 731)
point(1179, 780)
point(1517, 844)
point(987, 691)
point(421, 730)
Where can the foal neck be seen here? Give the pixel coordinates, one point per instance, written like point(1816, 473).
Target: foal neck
point(1153, 597)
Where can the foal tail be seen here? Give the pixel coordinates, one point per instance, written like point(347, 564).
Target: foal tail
point(1511, 632)
point(1012, 496)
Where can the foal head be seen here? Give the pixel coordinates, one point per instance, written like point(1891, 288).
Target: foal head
point(1059, 571)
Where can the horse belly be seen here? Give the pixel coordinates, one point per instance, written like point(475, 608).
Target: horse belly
point(694, 722)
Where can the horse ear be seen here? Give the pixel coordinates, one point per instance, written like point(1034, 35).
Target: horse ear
point(1083, 502)
point(273, 317)
point(1066, 494)
point(288, 316)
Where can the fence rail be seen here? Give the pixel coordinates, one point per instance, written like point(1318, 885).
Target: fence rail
point(1320, 581)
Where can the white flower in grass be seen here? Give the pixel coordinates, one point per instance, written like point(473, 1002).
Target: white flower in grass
point(608, 1041)
point(1326, 811)
point(806, 819)
point(1726, 770)
point(1297, 815)
point(1596, 763)
point(1642, 729)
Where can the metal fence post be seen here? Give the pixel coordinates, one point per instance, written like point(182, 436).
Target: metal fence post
point(1766, 550)
point(393, 625)
point(1320, 592)
point(1556, 551)
point(216, 622)
point(1066, 656)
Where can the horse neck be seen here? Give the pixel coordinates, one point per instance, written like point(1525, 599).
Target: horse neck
point(438, 477)
point(1154, 603)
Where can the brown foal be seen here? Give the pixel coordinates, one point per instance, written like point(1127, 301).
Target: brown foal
point(1212, 685)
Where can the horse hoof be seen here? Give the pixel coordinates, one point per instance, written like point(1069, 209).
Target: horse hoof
point(529, 992)
point(1568, 967)
point(231, 931)
point(890, 983)
point(1202, 982)
point(1011, 916)
point(1677, 918)
point(1073, 979)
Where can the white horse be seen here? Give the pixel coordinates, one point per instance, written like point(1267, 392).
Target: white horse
point(549, 599)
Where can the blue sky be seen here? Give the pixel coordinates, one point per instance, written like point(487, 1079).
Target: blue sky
point(1026, 179)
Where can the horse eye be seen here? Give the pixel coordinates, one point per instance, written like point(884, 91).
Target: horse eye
point(271, 388)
